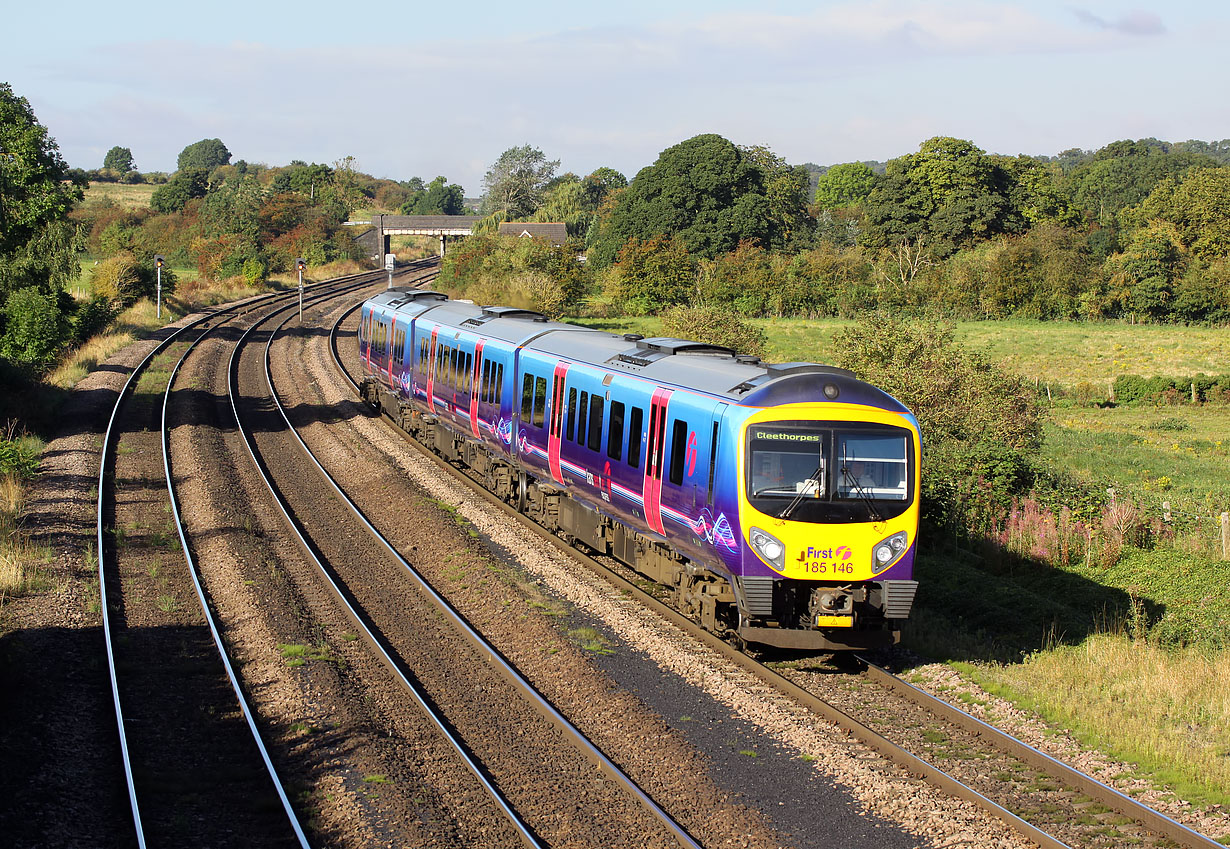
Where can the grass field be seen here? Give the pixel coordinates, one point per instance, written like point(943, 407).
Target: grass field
point(124, 195)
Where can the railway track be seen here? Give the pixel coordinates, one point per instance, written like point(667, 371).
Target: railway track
point(547, 783)
point(189, 745)
point(1048, 802)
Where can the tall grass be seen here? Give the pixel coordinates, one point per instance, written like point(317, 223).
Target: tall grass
point(18, 464)
point(1167, 711)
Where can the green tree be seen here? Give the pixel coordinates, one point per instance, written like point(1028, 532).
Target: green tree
point(704, 190)
point(173, 195)
point(948, 195)
point(514, 185)
point(207, 154)
point(1198, 203)
point(1122, 174)
point(438, 198)
point(786, 190)
point(844, 185)
point(32, 188)
point(118, 159)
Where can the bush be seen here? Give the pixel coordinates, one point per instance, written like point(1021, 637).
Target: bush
point(92, 317)
point(981, 427)
point(254, 271)
point(33, 330)
point(715, 326)
point(123, 280)
point(654, 274)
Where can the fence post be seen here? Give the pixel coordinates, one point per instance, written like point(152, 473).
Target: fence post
point(1225, 536)
point(1193, 392)
point(1166, 512)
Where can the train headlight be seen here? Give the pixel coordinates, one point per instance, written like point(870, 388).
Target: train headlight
point(768, 547)
point(888, 552)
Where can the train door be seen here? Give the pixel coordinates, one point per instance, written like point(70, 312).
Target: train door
point(476, 386)
point(430, 370)
point(555, 430)
point(655, 452)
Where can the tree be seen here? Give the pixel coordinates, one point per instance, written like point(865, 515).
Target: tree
point(188, 183)
point(704, 190)
point(1198, 204)
point(949, 194)
point(652, 274)
point(119, 159)
point(32, 172)
point(786, 190)
point(34, 329)
point(207, 154)
point(515, 183)
point(844, 185)
point(1122, 174)
point(439, 198)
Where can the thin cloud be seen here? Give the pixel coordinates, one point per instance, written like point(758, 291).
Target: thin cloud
point(1133, 23)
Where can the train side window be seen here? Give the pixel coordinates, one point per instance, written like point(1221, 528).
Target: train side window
point(679, 442)
point(469, 373)
point(636, 421)
point(572, 412)
point(615, 434)
point(486, 387)
point(527, 398)
point(499, 383)
point(596, 404)
point(540, 401)
point(582, 418)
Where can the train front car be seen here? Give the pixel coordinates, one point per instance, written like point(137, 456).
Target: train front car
point(827, 485)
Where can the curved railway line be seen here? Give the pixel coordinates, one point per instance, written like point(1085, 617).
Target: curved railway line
point(382, 625)
point(189, 745)
point(1043, 799)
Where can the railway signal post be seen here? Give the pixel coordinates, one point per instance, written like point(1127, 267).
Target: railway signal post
point(158, 265)
point(300, 264)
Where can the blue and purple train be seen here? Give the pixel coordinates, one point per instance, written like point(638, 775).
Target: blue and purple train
point(780, 502)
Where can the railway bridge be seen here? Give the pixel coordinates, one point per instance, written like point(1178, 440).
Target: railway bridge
point(420, 225)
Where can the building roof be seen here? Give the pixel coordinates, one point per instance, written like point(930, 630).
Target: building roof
point(556, 231)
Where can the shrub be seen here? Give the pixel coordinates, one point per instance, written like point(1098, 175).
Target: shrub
point(715, 326)
point(33, 330)
point(92, 317)
point(254, 271)
point(123, 280)
point(654, 274)
point(980, 426)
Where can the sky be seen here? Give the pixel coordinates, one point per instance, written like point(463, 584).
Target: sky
point(419, 89)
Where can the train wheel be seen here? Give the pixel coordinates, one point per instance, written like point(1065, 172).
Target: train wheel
point(523, 492)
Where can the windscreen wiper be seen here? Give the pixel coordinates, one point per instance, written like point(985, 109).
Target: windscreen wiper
point(854, 484)
point(798, 499)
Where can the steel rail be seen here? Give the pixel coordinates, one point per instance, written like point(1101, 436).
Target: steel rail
point(510, 672)
point(524, 832)
point(104, 453)
point(193, 572)
point(1107, 795)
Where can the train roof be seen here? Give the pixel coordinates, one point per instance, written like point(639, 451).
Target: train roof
point(711, 369)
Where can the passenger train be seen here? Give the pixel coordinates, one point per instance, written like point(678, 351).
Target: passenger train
point(780, 502)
